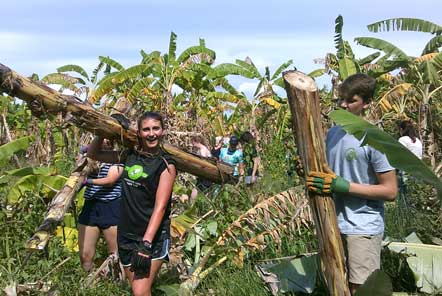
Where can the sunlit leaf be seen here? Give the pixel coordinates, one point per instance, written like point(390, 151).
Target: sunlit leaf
point(73, 68)
point(425, 261)
point(9, 149)
point(397, 154)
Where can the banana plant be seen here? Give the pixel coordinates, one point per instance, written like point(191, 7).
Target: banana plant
point(423, 73)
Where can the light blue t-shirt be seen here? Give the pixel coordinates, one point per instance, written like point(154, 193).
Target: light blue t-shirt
point(233, 158)
point(357, 164)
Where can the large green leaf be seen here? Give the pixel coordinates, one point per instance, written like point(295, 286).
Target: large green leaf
point(426, 263)
point(437, 61)
point(433, 45)
point(138, 87)
point(381, 45)
point(405, 24)
point(172, 48)
point(370, 58)
point(230, 69)
point(111, 62)
point(194, 50)
point(73, 68)
point(9, 149)
point(61, 79)
point(296, 275)
point(429, 72)
point(249, 67)
point(347, 67)
point(378, 283)
point(339, 42)
point(35, 183)
point(398, 155)
point(31, 171)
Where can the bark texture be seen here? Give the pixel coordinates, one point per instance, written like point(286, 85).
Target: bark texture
point(43, 101)
point(303, 97)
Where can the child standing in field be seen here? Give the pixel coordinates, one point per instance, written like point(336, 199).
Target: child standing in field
point(361, 179)
point(100, 212)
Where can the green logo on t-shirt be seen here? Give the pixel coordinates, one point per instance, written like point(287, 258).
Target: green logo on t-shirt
point(350, 154)
point(135, 172)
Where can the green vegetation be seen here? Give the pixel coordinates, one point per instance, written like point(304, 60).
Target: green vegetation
point(224, 235)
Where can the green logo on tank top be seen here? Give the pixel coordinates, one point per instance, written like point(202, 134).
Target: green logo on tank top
point(135, 172)
point(350, 154)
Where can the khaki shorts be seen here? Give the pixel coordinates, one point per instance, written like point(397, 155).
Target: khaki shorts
point(363, 255)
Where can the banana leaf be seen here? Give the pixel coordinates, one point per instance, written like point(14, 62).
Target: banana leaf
point(36, 184)
point(426, 263)
point(397, 154)
point(296, 275)
point(9, 149)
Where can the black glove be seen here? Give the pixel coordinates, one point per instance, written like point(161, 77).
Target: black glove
point(122, 120)
point(142, 259)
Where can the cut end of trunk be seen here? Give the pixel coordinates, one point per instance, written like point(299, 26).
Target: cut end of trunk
point(300, 81)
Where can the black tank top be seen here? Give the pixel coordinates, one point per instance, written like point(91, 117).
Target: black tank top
point(140, 181)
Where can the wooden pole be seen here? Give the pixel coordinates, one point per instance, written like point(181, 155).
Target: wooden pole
point(43, 100)
point(303, 97)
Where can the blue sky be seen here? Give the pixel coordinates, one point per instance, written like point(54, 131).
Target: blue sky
point(38, 37)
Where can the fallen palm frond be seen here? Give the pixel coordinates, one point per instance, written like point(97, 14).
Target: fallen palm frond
point(265, 216)
point(285, 211)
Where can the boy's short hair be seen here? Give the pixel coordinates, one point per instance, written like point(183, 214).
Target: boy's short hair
point(358, 84)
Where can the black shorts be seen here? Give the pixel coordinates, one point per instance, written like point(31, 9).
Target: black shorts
point(102, 214)
point(203, 184)
point(160, 248)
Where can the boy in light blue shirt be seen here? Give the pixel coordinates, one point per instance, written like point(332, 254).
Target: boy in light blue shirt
point(361, 179)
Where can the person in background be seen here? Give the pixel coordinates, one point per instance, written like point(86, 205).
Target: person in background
point(250, 157)
point(233, 156)
point(100, 212)
point(221, 142)
point(147, 183)
point(200, 149)
point(409, 138)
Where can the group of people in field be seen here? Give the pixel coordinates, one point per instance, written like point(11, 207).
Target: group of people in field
point(240, 152)
point(129, 199)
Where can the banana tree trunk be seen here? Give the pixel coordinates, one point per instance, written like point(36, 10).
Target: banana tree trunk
point(58, 207)
point(303, 97)
point(43, 100)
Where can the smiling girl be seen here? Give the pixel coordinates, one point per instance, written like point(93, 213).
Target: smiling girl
point(147, 182)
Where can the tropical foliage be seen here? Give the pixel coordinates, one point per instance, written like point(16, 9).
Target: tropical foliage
point(222, 236)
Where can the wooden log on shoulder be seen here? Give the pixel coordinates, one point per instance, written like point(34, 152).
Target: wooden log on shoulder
point(43, 100)
point(303, 97)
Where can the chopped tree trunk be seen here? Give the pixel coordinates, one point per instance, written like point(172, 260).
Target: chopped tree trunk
point(303, 97)
point(43, 100)
point(58, 207)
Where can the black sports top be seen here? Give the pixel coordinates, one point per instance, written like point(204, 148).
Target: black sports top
point(140, 180)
